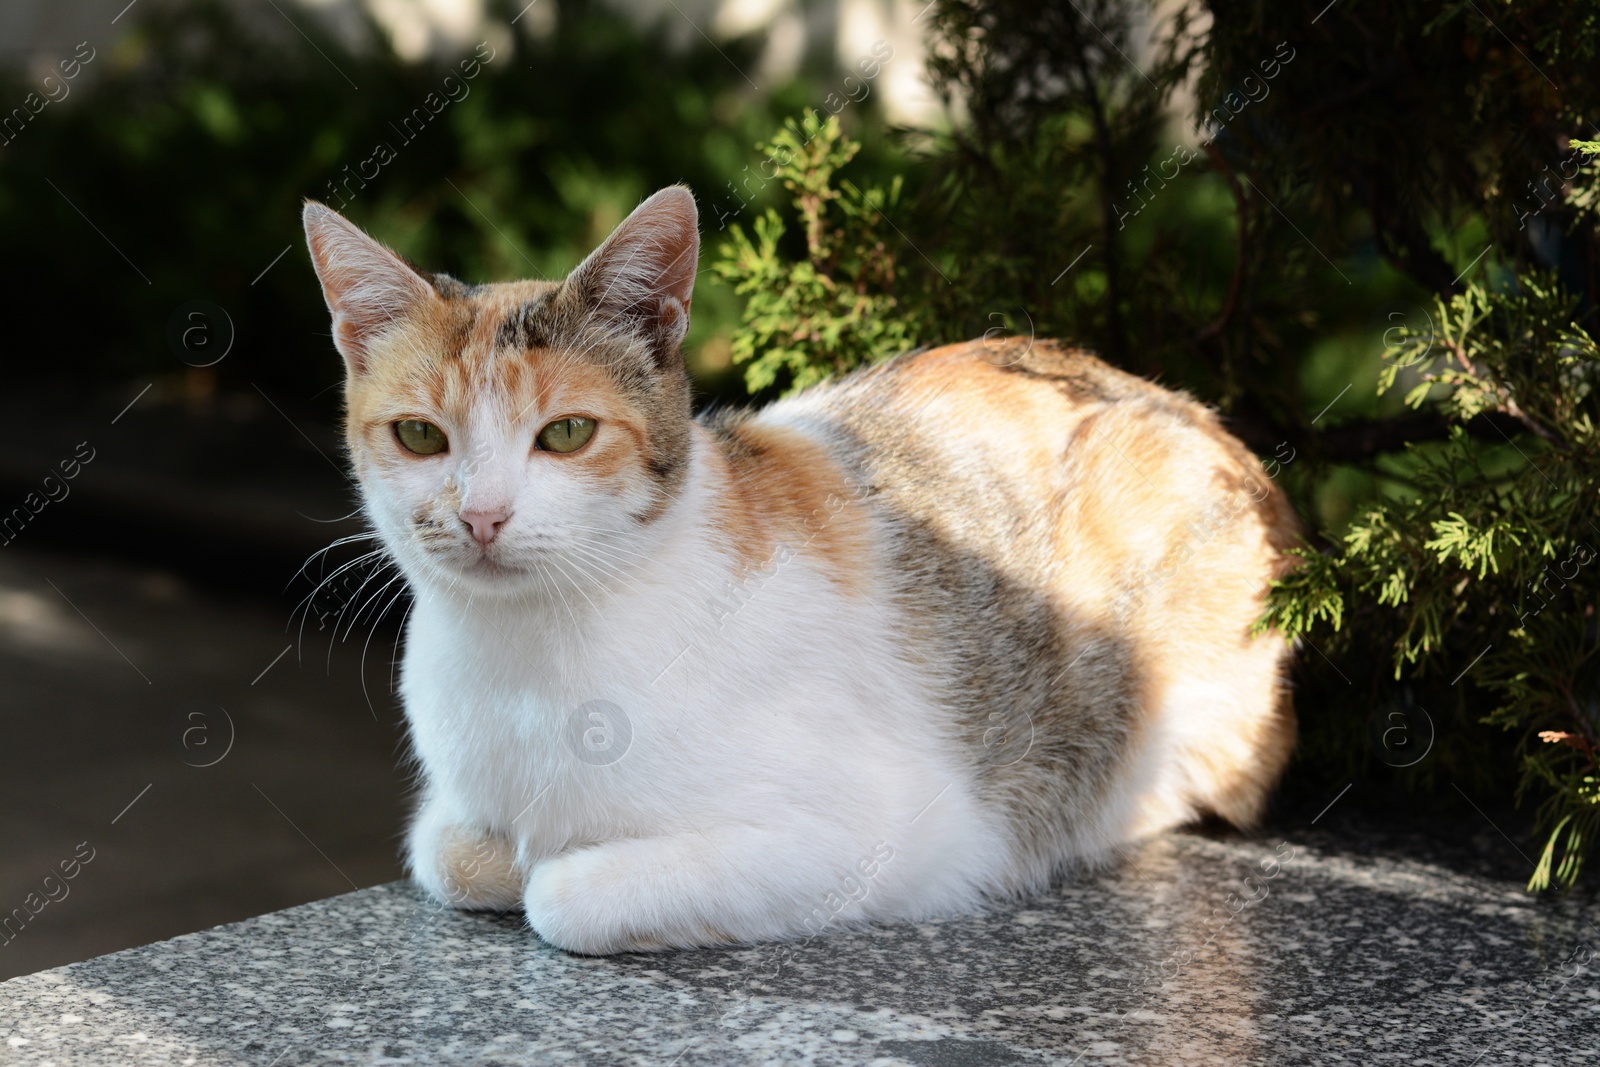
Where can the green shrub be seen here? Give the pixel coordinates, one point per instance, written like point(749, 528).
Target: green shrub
point(834, 309)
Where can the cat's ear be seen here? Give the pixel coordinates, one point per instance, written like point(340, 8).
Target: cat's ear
point(368, 288)
point(643, 276)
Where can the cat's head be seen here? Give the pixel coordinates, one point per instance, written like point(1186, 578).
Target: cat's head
point(520, 436)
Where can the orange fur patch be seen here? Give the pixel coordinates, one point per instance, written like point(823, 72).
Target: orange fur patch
point(479, 870)
point(784, 489)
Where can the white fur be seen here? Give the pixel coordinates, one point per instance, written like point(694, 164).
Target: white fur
point(764, 765)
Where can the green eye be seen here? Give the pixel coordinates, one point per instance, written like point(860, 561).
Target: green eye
point(423, 438)
point(566, 435)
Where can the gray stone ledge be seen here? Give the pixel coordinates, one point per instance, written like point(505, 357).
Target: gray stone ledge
point(1341, 958)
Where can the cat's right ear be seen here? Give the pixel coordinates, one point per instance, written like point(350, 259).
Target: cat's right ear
point(368, 288)
point(643, 275)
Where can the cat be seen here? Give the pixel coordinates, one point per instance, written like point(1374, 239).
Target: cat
point(914, 640)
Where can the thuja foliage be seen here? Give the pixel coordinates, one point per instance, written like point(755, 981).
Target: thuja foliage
point(1469, 578)
point(833, 309)
point(1369, 238)
point(1485, 568)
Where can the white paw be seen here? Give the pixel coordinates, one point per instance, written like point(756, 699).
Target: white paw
point(598, 900)
point(563, 906)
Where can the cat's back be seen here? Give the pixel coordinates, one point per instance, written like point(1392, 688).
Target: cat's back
point(1028, 450)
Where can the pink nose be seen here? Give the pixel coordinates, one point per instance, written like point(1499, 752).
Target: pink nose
point(484, 524)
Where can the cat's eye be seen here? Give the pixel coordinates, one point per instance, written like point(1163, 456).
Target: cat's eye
point(566, 435)
point(423, 438)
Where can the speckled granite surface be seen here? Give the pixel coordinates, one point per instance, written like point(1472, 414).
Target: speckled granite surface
point(1196, 950)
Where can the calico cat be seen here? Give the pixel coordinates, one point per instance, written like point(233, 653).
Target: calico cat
point(915, 639)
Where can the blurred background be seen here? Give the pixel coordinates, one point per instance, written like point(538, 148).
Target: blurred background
point(1295, 211)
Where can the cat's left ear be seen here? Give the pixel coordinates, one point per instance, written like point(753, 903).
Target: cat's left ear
point(644, 273)
point(368, 288)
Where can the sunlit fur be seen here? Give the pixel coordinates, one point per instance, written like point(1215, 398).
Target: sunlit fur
point(925, 636)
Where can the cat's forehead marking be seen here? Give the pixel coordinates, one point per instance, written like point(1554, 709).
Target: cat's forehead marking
point(499, 352)
point(527, 325)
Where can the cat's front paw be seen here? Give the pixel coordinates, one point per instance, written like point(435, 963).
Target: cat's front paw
point(600, 900)
point(471, 870)
point(563, 905)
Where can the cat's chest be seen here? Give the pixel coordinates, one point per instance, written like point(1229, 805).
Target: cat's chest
point(523, 734)
point(641, 719)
